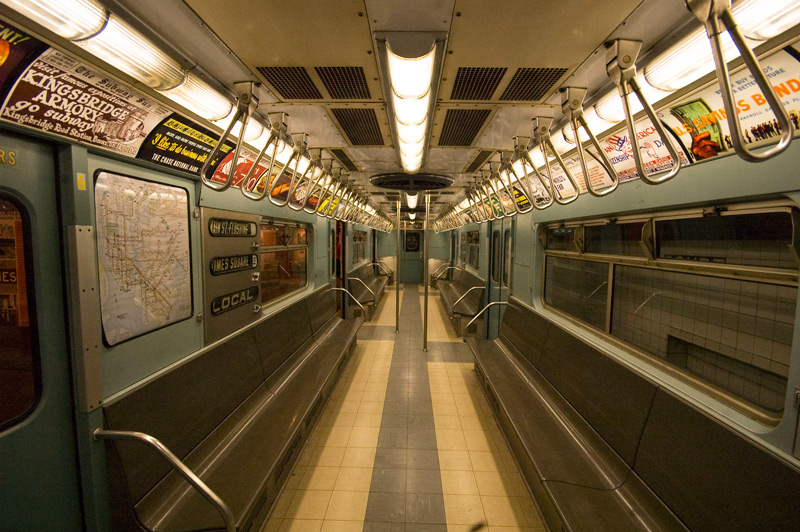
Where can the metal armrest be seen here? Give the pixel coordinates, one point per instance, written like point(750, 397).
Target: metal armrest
point(335, 289)
point(453, 310)
point(177, 465)
point(387, 271)
point(449, 268)
point(493, 303)
point(439, 269)
point(362, 282)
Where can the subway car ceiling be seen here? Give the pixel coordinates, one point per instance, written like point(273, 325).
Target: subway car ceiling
point(507, 79)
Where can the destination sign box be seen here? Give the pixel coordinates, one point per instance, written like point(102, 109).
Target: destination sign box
point(236, 263)
point(234, 300)
point(224, 227)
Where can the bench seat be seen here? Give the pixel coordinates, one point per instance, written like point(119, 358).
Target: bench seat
point(451, 291)
point(240, 445)
point(367, 286)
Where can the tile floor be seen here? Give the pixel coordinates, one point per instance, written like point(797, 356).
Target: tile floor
point(407, 441)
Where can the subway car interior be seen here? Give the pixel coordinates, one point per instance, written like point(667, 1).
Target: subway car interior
point(375, 265)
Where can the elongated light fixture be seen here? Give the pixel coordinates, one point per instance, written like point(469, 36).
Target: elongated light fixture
point(411, 199)
point(411, 80)
point(691, 58)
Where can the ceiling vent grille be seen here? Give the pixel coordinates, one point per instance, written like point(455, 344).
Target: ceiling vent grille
point(292, 83)
point(530, 84)
point(461, 126)
point(479, 161)
point(476, 83)
point(360, 126)
point(344, 159)
point(344, 83)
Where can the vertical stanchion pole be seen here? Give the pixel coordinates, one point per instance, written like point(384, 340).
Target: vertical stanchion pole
point(397, 276)
point(425, 235)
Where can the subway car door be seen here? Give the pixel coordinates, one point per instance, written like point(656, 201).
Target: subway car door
point(38, 459)
point(500, 246)
point(413, 246)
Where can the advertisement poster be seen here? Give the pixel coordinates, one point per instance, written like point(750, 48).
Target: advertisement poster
point(17, 51)
point(58, 94)
point(181, 144)
point(701, 122)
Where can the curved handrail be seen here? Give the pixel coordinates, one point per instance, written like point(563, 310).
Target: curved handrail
point(572, 105)
point(253, 193)
point(621, 68)
point(177, 465)
point(293, 158)
point(337, 289)
point(717, 17)
point(245, 107)
point(541, 132)
point(382, 267)
point(439, 269)
point(528, 161)
point(522, 182)
point(447, 269)
point(362, 282)
point(494, 177)
point(481, 311)
point(452, 311)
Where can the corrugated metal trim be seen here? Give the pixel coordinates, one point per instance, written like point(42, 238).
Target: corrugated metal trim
point(344, 83)
point(292, 83)
point(360, 126)
point(461, 126)
point(476, 83)
point(530, 84)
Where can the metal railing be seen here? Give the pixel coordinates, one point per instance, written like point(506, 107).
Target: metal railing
point(336, 289)
point(385, 269)
point(363, 283)
point(447, 269)
point(478, 315)
point(177, 465)
point(453, 310)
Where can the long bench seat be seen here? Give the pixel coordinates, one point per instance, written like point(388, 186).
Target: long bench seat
point(236, 415)
point(605, 449)
point(461, 309)
point(367, 286)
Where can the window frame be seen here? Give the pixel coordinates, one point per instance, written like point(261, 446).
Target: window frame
point(309, 232)
point(760, 274)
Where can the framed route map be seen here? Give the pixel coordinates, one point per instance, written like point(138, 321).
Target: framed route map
point(143, 255)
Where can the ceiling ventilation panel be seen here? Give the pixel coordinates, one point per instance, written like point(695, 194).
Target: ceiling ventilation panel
point(344, 83)
point(461, 126)
point(292, 83)
point(531, 84)
point(344, 159)
point(479, 161)
point(360, 126)
point(476, 83)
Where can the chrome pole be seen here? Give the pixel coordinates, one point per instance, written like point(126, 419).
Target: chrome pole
point(397, 280)
point(425, 234)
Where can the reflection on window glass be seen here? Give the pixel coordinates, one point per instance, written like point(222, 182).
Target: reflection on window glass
point(577, 287)
point(561, 239)
point(284, 259)
point(18, 371)
point(760, 239)
point(735, 335)
point(473, 249)
point(359, 246)
point(614, 239)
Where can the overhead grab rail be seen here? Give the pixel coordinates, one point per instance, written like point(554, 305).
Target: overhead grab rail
point(177, 465)
point(522, 152)
point(621, 68)
point(319, 187)
point(336, 289)
point(245, 106)
point(478, 315)
point(500, 188)
point(317, 168)
point(277, 137)
point(522, 182)
point(572, 106)
point(291, 173)
point(541, 134)
point(717, 17)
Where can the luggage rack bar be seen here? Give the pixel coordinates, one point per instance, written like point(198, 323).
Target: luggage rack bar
point(717, 17)
point(177, 465)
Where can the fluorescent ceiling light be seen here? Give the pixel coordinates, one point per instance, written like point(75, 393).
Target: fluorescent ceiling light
point(410, 77)
point(595, 123)
point(411, 111)
point(126, 49)
point(412, 215)
point(609, 108)
point(411, 200)
point(411, 134)
point(71, 19)
point(687, 61)
point(197, 96)
point(764, 19)
point(255, 133)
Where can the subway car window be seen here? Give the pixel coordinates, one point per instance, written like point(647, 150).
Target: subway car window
point(728, 332)
point(473, 249)
point(496, 251)
point(359, 246)
point(19, 374)
point(507, 257)
point(284, 259)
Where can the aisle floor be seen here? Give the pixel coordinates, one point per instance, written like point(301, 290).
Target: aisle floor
point(407, 441)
